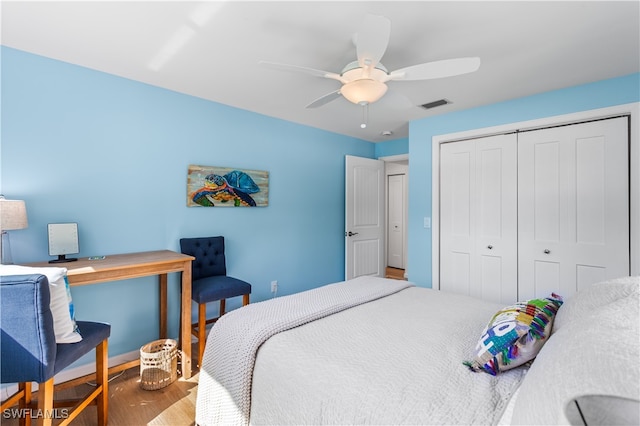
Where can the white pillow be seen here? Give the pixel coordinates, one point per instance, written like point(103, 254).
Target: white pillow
point(594, 297)
point(594, 351)
point(64, 323)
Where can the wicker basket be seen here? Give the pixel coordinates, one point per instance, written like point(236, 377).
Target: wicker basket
point(158, 364)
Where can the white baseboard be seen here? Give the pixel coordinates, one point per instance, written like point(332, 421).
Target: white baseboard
point(73, 373)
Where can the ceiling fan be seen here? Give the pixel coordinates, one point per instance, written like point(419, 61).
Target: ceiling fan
point(364, 81)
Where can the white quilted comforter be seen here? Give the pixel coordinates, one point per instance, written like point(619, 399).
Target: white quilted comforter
point(367, 351)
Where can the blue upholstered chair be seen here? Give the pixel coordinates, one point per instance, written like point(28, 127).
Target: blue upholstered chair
point(30, 353)
point(209, 282)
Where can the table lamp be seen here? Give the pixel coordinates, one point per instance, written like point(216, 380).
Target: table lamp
point(13, 215)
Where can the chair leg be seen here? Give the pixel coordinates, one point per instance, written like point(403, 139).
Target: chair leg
point(45, 403)
point(202, 323)
point(102, 381)
point(202, 330)
point(25, 402)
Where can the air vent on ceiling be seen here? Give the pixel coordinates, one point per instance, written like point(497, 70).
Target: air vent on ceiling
point(434, 104)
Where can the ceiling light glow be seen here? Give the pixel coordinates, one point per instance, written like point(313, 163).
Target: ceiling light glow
point(363, 91)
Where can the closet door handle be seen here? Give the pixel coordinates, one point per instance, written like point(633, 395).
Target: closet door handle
point(490, 247)
point(547, 251)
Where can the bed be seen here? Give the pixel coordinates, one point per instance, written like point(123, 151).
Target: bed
point(379, 351)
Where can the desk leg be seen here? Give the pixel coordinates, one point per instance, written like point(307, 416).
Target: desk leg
point(185, 321)
point(163, 305)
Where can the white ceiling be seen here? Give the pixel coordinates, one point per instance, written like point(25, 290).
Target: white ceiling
point(211, 50)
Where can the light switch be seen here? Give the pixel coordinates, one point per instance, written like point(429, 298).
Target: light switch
point(427, 222)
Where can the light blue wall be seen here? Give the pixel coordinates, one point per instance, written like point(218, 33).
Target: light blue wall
point(601, 94)
point(395, 147)
point(112, 154)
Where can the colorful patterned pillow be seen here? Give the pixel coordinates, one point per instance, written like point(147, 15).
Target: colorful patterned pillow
point(515, 335)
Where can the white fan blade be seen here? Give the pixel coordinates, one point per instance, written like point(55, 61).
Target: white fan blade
point(396, 100)
point(437, 69)
point(324, 99)
point(372, 40)
point(296, 68)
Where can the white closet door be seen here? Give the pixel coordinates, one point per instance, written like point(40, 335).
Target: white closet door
point(497, 218)
point(478, 231)
point(573, 185)
point(457, 210)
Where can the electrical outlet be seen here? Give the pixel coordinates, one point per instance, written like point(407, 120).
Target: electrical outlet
point(274, 286)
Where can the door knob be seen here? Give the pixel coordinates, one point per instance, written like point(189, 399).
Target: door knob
point(350, 234)
point(490, 247)
point(547, 251)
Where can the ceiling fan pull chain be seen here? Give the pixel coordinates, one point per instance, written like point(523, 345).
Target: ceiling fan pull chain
point(365, 115)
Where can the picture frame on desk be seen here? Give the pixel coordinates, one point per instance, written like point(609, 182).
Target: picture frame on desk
point(63, 240)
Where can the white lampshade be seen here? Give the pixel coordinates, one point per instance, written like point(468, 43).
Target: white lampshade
point(13, 214)
point(363, 91)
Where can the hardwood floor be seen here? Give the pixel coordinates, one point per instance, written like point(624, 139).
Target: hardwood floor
point(129, 405)
point(395, 273)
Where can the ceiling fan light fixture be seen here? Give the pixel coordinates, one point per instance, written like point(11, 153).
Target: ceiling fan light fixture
point(363, 91)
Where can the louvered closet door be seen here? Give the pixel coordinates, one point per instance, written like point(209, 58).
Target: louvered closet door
point(478, 235)
point(573, 206)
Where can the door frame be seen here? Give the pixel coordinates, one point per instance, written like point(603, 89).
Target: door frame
point(631, 109)
point(398, 168)
point(396, 159)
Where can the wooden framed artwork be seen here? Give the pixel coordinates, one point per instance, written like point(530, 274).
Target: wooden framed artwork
point(209, 186)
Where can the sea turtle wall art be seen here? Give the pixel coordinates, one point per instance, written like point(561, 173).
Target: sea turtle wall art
point(226, 187)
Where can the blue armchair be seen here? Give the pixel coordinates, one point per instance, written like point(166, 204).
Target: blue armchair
point(209, 282)
point(30, 353)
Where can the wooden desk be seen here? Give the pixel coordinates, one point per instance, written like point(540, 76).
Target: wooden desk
point(135, 265)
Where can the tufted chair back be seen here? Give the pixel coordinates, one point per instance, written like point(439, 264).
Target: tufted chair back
point(28, 340)
point(210, 283)
point(209, 254)
point(30, 352)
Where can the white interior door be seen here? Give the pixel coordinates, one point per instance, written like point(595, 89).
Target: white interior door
point(395, 221)
point(364, 217)
point(573, 206)
point(478, 211)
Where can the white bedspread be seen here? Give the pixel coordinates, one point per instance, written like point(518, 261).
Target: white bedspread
point(224, 390)
point(395, 360)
